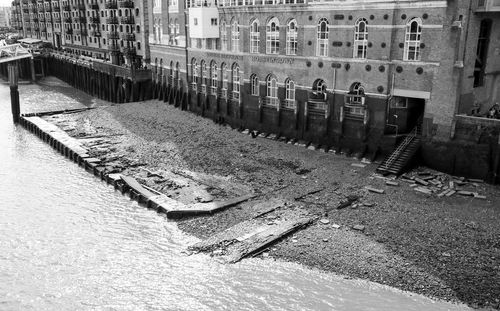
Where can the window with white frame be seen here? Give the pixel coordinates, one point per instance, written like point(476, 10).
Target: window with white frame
point(254, 37)
point(412, 39)
point(236, 82)
point(322, 38)
point(223, 35)
point(235, 37)
point(254, 85)
point(215, 77)
point(356, 99)
point(291, 38)
point(360, 38)
point(194, 73)
point(273, 36)
point(223, 70)
point(289, 94)
point(204, 74)
point(272, 91)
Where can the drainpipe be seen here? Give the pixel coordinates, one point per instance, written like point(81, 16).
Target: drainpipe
point(186, 30)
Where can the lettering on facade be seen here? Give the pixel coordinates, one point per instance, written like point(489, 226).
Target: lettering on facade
point(227, 56)
point(276, 60)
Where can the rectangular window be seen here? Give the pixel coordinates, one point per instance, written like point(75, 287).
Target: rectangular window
point(214, 21)
point(481, 52)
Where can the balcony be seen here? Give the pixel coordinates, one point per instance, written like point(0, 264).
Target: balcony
point(129, 50)
point(81, 19)
point(94, 6)
point(126, 4)
point(79, 7)
point(94, 20)
point(133, 74)
point(114, 47)
point(69, 31)
point(127, 20)
point(81, 32)
point(111, 5)
point(113, 35)
point(112, 20)
point(485, 6)
point(57, 19)
point(271, 102)
point(67, 20)
point(66, 8)
point(128, 37)
point(95, 33)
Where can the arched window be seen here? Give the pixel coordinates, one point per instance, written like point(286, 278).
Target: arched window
point(290, 91)
point(254, 37)
point(203, 74)
point(291, 38)
point(272, 91)
point(358, 93)
point(223, 70)
point(360, 38)
point(319, 86)
point(412, 39)
point(322, 38)
point(356, 100)
point(171, 70)
point(177, 81)
point(223, 35)
point(254, 85)
point(215, 77)
point(273, 36)
point(194, 73)
point(235, 36)
point(236, 82)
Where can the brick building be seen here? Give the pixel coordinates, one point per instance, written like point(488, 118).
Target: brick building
point(355, 75)
point(360, 76)
point(108, 30)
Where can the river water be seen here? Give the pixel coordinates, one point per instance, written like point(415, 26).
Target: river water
point(70, 242)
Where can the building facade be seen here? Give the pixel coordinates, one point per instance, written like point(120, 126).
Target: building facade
point(352, 75)
point(5, 16)
point(108, 30)
point(356, 76)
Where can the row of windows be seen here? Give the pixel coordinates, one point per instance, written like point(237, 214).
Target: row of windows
point(216, 77)
point(413, 35)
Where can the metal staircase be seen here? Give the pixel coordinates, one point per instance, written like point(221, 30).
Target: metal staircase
point(399, 159)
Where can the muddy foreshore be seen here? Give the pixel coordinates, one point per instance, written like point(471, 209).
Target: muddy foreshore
point(444, 247)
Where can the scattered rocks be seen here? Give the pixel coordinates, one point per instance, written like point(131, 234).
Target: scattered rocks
point(371, 189)
point(359, 227)
point(324, 221)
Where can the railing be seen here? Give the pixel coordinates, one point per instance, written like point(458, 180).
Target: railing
point(113, 35)
point(416, 131)
point(127, 20)
point(111, 5)
point(316, 105)
point(271, 102)
point(126, 4)
point(112, 20)
point(223, 93)
point(289, 104)
point(128, 37)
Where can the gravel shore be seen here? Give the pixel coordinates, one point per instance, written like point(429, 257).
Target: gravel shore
point(447, 247)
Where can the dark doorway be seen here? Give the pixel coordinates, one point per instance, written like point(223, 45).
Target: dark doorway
point(405, 113)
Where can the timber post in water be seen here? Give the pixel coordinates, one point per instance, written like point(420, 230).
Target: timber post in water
point(14, 92)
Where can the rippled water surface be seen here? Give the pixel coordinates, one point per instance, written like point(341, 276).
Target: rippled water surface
point(69, 242)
